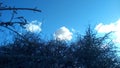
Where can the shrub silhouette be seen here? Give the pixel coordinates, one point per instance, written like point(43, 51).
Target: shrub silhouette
point(95, 52)
point(89, 51)
point(30, 51)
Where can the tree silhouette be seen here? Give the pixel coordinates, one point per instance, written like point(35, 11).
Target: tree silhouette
point(94, 52)
point(30, 51)
point(89, 51)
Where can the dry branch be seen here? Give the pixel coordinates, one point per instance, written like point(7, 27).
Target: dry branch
point(32, 9)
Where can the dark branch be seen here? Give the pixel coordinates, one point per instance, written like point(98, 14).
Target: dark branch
point(11, 23)
point(15, 32)
point(12, 16)
point(25, 39)
point(32, 9)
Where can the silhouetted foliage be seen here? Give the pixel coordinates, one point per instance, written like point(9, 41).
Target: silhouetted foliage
point(30, 51)
point(89, 51)
point(94, 52)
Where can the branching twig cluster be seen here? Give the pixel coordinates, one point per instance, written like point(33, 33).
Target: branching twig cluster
point(20, 20)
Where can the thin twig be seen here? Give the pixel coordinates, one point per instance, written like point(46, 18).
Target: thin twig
point(26, 40)
point(16, 32)
point(12, 16)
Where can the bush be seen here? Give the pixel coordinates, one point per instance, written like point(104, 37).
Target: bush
point(89, 51)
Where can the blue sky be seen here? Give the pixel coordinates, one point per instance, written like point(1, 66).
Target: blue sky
point(70, 15)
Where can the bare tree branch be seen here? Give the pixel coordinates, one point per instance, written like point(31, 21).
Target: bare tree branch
point(11, 23)
point(20, 20)
point(12, 16)
point(25, 39)
point(32, 9)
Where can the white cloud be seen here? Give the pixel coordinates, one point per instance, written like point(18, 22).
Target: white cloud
point(34, 26)
point(105, 28)
point(63, 34)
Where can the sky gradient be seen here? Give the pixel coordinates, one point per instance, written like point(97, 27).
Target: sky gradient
point(68, 16)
